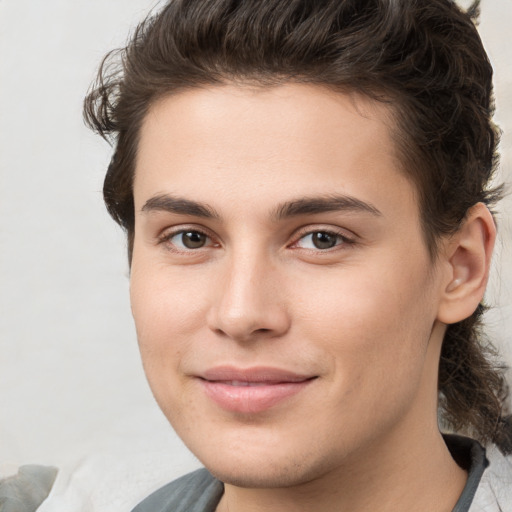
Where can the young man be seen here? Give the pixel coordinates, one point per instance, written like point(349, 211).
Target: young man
point(304, 187)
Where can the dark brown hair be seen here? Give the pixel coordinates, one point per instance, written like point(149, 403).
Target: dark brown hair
point(423, 58)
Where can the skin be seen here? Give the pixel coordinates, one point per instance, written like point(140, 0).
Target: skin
point(365, 318)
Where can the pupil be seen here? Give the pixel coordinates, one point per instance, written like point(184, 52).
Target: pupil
point(193, 239)
point(322, 240)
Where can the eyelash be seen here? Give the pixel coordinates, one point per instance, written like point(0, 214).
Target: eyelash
point(342, 239)
point(165, 239)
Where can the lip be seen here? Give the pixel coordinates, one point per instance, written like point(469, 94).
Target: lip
point(251, 390)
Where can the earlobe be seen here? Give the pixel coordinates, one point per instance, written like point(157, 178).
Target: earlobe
point(468, 256)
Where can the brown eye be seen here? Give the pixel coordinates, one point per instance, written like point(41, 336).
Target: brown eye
point(193, 239)
point(321, 240)
point(188, 240)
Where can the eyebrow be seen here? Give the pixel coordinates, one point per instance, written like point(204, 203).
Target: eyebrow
point(179, 205)
point(301, 206)
point(324, 204)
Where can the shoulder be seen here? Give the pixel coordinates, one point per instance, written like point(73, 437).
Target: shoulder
point(196, 492)
point(494, 494)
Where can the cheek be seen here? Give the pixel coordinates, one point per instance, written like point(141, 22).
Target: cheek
point(167, 314)
point(375, 325)
point(167, 310)
point(164, 303)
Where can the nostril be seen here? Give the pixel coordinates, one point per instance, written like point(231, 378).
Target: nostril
point(247, 318)
point(261, 331)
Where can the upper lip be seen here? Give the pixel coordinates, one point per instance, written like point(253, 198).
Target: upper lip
point(254, 374)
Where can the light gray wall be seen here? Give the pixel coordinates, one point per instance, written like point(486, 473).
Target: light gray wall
point(70, 375)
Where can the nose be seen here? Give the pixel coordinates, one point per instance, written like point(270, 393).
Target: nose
point(250, 302)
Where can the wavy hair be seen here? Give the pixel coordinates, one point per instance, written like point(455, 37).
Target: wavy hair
point(424, 59)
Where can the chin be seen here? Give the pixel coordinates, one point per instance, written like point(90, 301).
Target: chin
point(258, 465)
point(266, 476)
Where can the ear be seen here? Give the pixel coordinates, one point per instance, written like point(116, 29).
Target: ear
point(467, 256)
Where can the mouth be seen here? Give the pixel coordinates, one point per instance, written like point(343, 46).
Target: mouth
point(253, 390)
point(240, 383)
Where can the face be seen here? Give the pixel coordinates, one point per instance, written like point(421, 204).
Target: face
point(283, 295)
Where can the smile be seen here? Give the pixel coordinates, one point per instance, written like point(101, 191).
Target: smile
point(251, 391)
point(237, 383)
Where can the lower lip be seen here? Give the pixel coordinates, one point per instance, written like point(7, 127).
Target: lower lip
point(251, 399)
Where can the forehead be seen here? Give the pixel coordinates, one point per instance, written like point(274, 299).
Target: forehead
point(243, 144)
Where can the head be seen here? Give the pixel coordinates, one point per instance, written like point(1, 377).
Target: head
point(412, 76)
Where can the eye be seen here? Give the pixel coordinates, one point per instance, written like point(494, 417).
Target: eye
point(188, 240)
point(321, 240)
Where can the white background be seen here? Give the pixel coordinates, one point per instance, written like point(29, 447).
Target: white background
point(71, 382)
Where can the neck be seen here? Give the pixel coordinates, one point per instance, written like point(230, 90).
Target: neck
point(389, 477)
